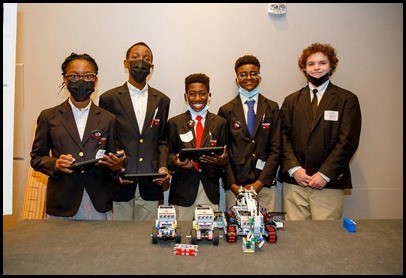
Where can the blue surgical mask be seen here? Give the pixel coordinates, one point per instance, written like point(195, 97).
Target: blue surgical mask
point(200, 113)
point(249, 94)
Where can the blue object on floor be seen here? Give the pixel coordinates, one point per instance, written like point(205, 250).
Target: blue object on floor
point(350, 225)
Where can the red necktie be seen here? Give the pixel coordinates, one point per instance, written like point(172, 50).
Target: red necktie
point(199, 136)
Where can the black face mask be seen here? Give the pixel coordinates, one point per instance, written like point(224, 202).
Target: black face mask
point(139, 70)
point(81, 90)
point(318, 81)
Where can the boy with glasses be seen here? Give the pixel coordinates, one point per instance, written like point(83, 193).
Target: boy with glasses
point(253, 137)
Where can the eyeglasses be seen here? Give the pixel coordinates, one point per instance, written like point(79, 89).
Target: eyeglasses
point(76, 77)
point(245, 74)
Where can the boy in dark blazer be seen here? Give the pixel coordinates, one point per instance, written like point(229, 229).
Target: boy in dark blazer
point(254, 157)
point(318, 144)
point(141, 112)
point(196, 182)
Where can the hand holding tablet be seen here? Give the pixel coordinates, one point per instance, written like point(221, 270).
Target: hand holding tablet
point(90, 162)
point(143, 177)
point(196, 153)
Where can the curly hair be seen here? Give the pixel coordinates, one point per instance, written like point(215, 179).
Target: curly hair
point(326, 49)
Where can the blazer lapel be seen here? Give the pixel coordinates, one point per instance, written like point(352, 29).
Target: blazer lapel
point(238, 112)
point(209, 125)
point(152, 110)
point(126, 102)
point(187, 124)
point(325, 101)
point(261, 108)
point(304, 100)
point(92, 122)
point(68, 122)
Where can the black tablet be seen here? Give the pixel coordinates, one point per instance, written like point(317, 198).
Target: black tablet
point(143, 177)
point(89, 162)
point(196, 153)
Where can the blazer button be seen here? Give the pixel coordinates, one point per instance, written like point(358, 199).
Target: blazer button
point(141, 140)
point(254, 155)
point(141, 159)
point(81, 154)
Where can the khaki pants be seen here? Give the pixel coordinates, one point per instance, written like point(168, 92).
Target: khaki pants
point(302, 203)
point(188, 213)
point(136, 209)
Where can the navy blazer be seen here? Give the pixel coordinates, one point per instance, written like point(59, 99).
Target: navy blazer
point(244, 150)
point(328, 145)
point(56, 133)
point(146, 149)
point(185, 183)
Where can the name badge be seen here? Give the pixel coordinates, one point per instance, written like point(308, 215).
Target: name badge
point(186, 137)
point(330, 115)
point(260, 164)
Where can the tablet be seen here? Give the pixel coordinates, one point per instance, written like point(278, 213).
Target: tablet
point(196, 153)
point(89, 162)
point(143, 177)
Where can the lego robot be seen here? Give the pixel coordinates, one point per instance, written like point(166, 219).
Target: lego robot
point(247, 219)
point(166, 225)
point(204, 226)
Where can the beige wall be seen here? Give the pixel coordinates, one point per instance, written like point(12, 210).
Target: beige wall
point(188, 38)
